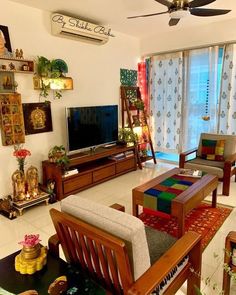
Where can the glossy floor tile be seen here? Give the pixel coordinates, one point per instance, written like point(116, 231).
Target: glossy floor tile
point(36, 220)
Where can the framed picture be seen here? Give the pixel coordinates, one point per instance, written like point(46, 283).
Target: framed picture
point(7, 82)
point(5, 43)
point(37, 117)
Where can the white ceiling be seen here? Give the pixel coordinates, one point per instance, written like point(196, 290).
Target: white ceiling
point(113, 13)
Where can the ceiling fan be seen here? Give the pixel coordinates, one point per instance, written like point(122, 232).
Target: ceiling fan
point(180, 8)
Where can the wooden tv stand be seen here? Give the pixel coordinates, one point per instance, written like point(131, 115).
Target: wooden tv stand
point(93, 167)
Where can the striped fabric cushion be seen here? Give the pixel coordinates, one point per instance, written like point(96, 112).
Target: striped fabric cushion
point(213, 150)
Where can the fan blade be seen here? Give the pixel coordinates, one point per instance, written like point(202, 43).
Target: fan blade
point(166, 3)
point(173, 21)
point(207, 12)
point(145, 15)
point(199, 3)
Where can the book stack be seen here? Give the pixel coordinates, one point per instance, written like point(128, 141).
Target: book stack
point(71, 172)
point(190, 173)
point(129, 154)
point(117, 156)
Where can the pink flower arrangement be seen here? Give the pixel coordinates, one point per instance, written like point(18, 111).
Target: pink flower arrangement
point(30, 240)
point(20, 155)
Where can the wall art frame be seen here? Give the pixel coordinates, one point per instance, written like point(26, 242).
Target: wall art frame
point(37, 117)
point(7, 82)
point(5, 39)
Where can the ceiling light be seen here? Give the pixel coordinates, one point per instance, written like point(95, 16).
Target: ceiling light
point(179, 13)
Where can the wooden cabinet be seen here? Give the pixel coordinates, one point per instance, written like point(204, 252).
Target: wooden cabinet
point(16, 65)
point(92, 168)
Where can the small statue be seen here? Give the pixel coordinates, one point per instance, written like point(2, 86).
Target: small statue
point(12, 66)
point(17, 53)
point(50, 190)
point(6, 208)
point(21, 54)
point(18, 182)
point(32, 179)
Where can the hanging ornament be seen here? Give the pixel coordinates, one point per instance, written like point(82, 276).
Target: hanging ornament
point(206, 117)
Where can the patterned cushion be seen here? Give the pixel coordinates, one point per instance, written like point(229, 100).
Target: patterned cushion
point(213, 150)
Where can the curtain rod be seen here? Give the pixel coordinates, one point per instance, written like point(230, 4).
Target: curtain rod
point(188, 48)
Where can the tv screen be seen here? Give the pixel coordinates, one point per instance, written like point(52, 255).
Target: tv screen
point(91, 126)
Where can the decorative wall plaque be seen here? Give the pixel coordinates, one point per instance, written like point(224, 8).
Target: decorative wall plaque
point(12, 121)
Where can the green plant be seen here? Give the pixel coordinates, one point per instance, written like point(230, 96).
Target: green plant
point(50, 69)
point(138, 103)
point(127, 135)
point(57, 154)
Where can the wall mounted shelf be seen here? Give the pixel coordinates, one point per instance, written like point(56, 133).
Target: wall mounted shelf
point(61, 83)
point(20, 65)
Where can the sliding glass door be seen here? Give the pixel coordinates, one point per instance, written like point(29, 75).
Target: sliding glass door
point(200, 109)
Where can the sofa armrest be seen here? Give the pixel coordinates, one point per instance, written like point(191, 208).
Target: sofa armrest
point(189, 244)
point(53, 245)
point(231, 159)
point(183, 156)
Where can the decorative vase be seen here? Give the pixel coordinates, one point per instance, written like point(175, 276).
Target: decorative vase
point(30, 252)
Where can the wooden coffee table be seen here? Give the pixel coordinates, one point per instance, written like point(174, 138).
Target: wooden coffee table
point(184, 202)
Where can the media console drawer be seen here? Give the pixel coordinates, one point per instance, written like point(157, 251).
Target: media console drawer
point(104, 173)
point(125, 165)
point(77, 182)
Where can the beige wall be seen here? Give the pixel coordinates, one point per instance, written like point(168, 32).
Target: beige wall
point(94, 69)
point(189, 37)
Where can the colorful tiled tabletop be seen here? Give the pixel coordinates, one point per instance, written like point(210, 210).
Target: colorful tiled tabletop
point(157, 200)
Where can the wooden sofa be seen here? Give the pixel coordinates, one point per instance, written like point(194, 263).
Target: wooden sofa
point(88, 234)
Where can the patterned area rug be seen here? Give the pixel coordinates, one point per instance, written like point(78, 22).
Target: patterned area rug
point(203, 220)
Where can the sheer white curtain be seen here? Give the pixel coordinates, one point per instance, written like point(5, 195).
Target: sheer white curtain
point(227, 113)
point(200, 105)
point(166, 89)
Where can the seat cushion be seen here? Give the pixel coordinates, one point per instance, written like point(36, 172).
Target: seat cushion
point(158, 243)
point(211, 167)
point(122, 225)
point(213, 150)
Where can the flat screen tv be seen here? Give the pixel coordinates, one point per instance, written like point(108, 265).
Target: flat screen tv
point(91, 126)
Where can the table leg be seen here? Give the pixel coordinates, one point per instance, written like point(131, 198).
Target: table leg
point(214, 198)
point(20, 211)
point(181, 224)
point(135, 206)
point(226, 283)
point(47, 201)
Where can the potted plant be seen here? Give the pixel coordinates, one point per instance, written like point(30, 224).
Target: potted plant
point(57, 154)
point(127, 136)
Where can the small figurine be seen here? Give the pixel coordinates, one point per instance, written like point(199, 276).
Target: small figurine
point(12, 66)
point(21, 54)
point(32, 179)
point(6, 208)
point(17, 53)
point(18, 182)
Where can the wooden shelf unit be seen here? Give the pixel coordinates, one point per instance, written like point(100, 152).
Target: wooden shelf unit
point(93, 168)
point(19, 64)
point(130, 114)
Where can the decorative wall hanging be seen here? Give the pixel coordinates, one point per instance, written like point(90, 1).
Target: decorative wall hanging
point(37, 117)
point(5, 44)
point(128, 77)
point(12, 121)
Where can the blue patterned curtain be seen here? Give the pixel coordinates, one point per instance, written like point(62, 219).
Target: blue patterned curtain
point(227, 113)
point(166, 88)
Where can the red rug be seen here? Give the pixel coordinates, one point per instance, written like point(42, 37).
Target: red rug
point(204, 220)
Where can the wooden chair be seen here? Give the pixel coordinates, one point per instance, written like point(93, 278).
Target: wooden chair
point(223, 169)
point(106, 257)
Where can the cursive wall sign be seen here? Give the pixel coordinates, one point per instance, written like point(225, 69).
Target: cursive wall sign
point(73, 25)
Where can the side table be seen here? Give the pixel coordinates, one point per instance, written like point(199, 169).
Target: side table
point(21, 205)
point(14, 282)
point(229, 242)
